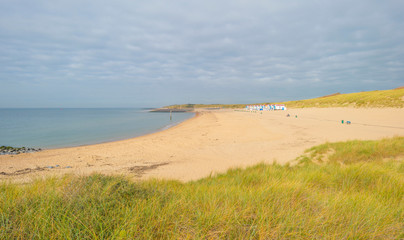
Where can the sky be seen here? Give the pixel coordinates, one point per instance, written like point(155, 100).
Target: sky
point(80, 53)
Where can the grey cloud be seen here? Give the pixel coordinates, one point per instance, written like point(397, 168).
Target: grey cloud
point(134, 53)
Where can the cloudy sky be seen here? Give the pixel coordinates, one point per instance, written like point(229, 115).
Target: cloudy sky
point(154, 53)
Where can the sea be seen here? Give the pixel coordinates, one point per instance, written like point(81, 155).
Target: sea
point(49, 128)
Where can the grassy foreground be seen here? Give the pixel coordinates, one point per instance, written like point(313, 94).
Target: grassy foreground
point(359, 199)
point(385, 98)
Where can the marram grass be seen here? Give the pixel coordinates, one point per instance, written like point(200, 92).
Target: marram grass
point(384, 98)
point(356, 200)
point(357, 151)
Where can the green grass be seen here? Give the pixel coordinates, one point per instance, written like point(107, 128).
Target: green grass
point(386, 98)
point(357, 151)
point(360, 199)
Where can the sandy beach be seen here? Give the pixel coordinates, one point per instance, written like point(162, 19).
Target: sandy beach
point(211, 142)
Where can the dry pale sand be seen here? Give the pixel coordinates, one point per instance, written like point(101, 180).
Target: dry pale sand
point(209, 143)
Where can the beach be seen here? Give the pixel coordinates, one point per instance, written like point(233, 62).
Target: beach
point(212, 142)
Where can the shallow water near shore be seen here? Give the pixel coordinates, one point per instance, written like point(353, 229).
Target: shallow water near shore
point(68, 127)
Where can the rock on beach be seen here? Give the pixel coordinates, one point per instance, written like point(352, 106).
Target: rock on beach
point(7, 150)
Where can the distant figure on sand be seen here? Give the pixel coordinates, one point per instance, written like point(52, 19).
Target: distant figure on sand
point(288, 115)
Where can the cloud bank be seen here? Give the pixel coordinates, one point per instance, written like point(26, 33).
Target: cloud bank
point(153, 53)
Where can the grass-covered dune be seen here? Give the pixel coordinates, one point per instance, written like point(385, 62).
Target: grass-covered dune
point(385, 98)
point(348, 190)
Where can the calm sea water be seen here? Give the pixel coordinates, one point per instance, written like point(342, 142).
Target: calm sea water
point(54, 128)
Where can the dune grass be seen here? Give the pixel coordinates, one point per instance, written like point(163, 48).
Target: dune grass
point(359, 199)
point(385, 98)
point(357, 151)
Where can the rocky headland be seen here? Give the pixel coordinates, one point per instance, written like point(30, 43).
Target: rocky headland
point(172, 110)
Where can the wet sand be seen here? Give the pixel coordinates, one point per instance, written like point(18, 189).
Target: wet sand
point(212, 142)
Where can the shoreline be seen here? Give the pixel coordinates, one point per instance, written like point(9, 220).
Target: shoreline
point(106, 141)
point(169, 126)
point(210, 142)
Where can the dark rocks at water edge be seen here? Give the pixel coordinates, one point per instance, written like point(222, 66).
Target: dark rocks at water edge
point(12, 150)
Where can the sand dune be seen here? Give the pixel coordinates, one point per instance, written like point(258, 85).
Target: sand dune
point(212, 142)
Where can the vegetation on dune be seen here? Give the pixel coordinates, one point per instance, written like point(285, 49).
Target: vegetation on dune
point(386, 98)
point(356, 151)
point(360, 199)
